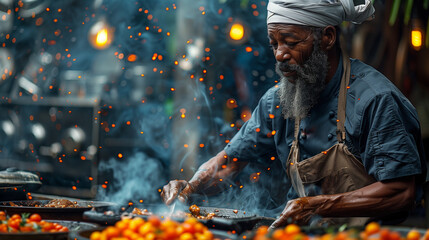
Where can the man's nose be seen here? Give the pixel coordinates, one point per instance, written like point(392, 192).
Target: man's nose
point(282, 54)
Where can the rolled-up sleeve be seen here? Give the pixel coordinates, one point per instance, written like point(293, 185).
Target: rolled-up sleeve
point(254, 141)
point(389, 147)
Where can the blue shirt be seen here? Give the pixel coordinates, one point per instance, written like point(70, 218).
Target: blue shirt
point(382, 127)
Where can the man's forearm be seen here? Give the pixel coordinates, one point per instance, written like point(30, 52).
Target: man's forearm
point(377, 199)
point(215, 173)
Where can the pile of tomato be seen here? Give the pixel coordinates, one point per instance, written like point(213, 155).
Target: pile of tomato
point(27, 223)
point(372, 231)
point(154, 229)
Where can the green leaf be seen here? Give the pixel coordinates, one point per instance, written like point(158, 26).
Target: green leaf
point(244, 4)
point(394, 12)
point(426, 4)
point(25, 216)
point(342, 228)
point(408, 9)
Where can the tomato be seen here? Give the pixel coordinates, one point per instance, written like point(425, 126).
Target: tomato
point(112, 232)
point(146, 228)
point(384, 234)
point(292, 229)
point(372, 228)
point(413, 235)
point(47, 226)
point(156, 222)
point(26, 228)
point(395, 236)
point(2, 216)
point(95, 235)
point(63, 229)
point(14, 223)
point(3, 227)
point(16, 216)
point(35, 217)
point(188, 228)
point(136, 223)
point(186, 236)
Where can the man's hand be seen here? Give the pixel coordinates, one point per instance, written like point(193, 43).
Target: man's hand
point(205, 180)
point(296, 211)
point(378, 199)
point(179, 189)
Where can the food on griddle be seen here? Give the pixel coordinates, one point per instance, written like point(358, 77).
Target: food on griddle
point(61, 203)
point(54, 203)
point(141, 211)
point(26, 223)
point(195, 212)
point(154, 228)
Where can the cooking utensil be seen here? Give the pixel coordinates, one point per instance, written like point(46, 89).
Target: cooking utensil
point(29, 206)
point(225, 219)
point(14, 184)
point(73, 226)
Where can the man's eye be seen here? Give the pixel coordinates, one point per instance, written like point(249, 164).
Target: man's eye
point(273, 45)
point(291, 44)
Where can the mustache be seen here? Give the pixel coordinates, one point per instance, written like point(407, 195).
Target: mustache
point(286, 67)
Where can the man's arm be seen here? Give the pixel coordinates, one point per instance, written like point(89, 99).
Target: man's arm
point(209, 178)
point(377, 199)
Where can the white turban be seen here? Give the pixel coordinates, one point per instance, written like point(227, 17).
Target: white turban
point(318, 13)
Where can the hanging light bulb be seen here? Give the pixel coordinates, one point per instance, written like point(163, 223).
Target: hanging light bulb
point(416, 38)
point(416, 34)
point(101, 35)
point(238, 32)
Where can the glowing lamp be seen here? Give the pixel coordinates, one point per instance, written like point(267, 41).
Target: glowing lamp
point(416, 39)
point(100, 35)
point(237, 31)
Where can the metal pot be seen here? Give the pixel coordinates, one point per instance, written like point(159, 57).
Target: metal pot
point(15, 184)
point(71, 225)
point(69, 213)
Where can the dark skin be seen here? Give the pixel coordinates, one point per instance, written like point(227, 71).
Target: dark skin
point(294, 44)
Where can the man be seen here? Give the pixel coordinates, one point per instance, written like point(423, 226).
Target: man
point(348, 139)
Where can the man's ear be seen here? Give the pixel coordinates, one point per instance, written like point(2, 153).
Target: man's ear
point(329, 36)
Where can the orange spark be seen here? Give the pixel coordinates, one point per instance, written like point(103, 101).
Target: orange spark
point(132, 58)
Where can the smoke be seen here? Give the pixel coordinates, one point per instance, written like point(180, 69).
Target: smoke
point(144, 91)
point(135, 178)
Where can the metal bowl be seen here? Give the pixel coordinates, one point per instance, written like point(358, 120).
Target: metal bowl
point(73, 226)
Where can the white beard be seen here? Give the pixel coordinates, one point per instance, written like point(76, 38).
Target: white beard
point(297, 99)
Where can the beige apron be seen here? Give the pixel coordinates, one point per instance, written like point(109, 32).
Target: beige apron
point(335, 170)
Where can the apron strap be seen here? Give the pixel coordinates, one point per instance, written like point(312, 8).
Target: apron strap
point(296, 131)
point(342, 96)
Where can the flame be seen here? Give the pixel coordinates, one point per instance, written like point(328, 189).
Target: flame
point(237, 31)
